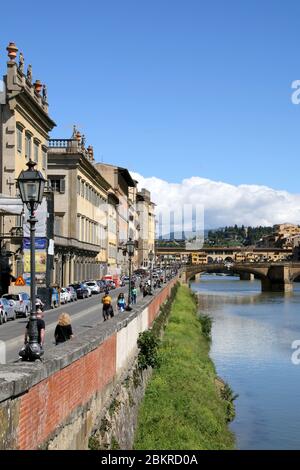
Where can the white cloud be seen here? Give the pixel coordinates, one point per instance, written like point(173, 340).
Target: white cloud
point(225, 204)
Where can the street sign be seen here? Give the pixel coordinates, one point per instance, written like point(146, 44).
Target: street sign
point(20, 281)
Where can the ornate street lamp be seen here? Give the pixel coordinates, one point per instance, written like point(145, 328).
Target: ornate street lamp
point(151, 258)
point(130, 246)
point(31, 184)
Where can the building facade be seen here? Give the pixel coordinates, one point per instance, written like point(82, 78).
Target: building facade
point(146, 216)
point(81, 219)
point(123, 187)
point(24, 131)
point(283, 236)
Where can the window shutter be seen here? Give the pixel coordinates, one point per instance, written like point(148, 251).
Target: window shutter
point(62, 186)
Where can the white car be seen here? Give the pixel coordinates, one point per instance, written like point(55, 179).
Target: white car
point(65, 296)
point(95, 288)
point(21, 303)
point(88, 288)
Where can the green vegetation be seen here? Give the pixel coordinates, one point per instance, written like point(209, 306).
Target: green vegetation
point(183, 408)
point(206, 324)
point(148, 346)
point(236, 236)
point(229, 397)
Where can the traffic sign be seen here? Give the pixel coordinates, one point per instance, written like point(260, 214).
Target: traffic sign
point(20, 281)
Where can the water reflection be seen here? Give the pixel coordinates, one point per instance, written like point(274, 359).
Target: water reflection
point(251, 348)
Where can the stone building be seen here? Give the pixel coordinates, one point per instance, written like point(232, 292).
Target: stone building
point(24, 131)
point(146, 214)
point(80, 200)
point(282, 237)
point(122, 185)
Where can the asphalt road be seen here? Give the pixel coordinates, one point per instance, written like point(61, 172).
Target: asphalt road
point(84, 314)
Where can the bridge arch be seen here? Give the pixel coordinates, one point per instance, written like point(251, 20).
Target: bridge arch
point(221, 268)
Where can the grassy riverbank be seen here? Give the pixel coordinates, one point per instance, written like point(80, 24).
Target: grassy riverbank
point(182, 408)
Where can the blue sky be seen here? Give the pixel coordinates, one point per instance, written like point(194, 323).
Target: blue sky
point(171, 89)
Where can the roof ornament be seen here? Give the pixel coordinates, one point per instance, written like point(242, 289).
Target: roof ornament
point(21, 62)
point(29, 73)
point(12, 51)
point(38, 86)
point(78, 137)
point(74, 132)
point(45, 93)
point(90, 152)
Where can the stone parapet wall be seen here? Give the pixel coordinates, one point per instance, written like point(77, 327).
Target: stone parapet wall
point(57, 403)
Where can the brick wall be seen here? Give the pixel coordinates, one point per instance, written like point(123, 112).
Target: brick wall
point(69, 389)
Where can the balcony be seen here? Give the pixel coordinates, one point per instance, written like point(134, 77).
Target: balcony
point(62, 143)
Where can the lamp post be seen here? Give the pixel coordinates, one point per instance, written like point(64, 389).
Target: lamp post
point(31, 184)
point(130, 245)
point(151, 258)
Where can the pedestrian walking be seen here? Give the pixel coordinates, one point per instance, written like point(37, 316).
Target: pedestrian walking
point(107, 307)
point(121, 304)
point(63, 331)
point(133, 295)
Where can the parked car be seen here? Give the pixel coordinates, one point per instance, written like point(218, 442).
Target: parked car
point(72, 292)
point(88, 289)
point(64, 295)
point(81, 291)
point(93, 286)
point(7, 310)
point(21, 303)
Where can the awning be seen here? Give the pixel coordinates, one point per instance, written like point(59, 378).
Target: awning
point(10, 205)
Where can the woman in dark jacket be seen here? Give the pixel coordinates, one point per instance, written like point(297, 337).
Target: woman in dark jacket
point(63, 331)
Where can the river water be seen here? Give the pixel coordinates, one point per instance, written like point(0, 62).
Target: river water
point(251, 347)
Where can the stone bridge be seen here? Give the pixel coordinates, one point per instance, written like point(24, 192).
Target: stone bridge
point(275, 277)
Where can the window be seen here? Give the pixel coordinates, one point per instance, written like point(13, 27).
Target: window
point(58, 225)
point(57, 185)
point(44, 158)
point(78, 228)
point(36, 151)
point(78, 185)
point(82, 188)
point(28, 145)
point(19, 139)
point(82, 229)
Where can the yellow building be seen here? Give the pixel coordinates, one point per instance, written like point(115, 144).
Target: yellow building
point(123, 187)
point(199, 257)
point(80, 202)
point(112, 234)
point(146, 216)
point(24, 131)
